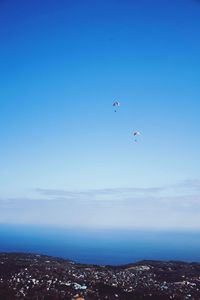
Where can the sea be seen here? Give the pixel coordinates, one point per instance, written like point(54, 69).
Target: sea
point(103, 247)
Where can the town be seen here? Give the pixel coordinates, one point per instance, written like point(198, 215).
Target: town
point(35, 276)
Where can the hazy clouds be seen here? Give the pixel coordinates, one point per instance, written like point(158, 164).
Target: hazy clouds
point(168, 207)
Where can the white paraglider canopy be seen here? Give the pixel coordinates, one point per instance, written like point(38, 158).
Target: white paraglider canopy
point(116, 104)
point(135, 134)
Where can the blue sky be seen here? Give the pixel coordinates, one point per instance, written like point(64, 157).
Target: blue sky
point(62, 64)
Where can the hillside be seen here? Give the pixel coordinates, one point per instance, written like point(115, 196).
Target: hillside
point(34, 276)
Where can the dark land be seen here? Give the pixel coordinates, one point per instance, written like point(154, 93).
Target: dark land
point(40, 277)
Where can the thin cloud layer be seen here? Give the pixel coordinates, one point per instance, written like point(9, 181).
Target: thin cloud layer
point(182, 188)
point(171, 207)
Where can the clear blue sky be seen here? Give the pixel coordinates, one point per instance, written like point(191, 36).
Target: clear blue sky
point(62, 64)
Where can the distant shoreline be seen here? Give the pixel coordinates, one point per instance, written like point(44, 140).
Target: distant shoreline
point(140, 262)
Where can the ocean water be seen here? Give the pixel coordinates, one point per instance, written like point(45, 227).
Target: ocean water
point(103, 247)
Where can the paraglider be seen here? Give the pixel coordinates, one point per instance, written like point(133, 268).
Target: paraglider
point(135, 134)
point(116, 104)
